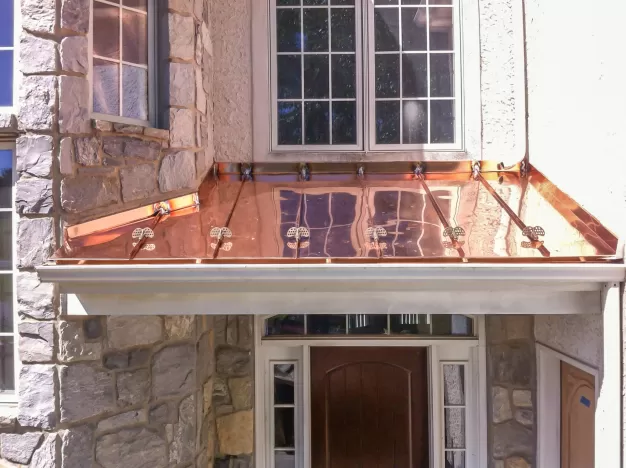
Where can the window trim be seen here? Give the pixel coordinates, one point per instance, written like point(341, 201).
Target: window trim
point(17, 27)
point(152, 16)
point(11, 399)
point(469, 100)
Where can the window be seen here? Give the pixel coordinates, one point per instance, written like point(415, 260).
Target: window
point(7, 55)
point(398, 90)
point(454, 414)
point(283, 416)
point(122, 59)
point(7, 322)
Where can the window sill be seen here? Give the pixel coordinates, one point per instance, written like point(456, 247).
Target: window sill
point(8, 416)
point(107, 126)
point(361, 156)
point(8, 123)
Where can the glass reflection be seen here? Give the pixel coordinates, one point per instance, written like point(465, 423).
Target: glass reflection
point(343, 30)
point(289, 77)
point(364, 324)
point(441, 32)
point(344, 123)
point(410, 324)
point(284, 325)
point(6, 178)
point(6, 78)
point(284, 379)
point(316, 76)
point(326, 324)
point(6, 304)
point(106, 87)
point(387, 122)
point(455, 459)
point(315, 30)
point(7, 22)
point(284, 430)
point(455, 428)
point(6, 242)
point(106, 30)
point(386, 29)
point(7, 365)
point(289, 123)
point(316, 123)
point(285, 459)
point(414, 29)
point(135, 91)
point(135, 37)
point(289, 36)
point(453, 384)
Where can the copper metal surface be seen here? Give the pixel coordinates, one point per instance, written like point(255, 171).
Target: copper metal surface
point(435, 212)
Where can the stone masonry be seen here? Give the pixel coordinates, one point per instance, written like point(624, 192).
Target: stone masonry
point(511, 378)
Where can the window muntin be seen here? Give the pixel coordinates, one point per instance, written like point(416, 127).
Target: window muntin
point(393, 325)
point(454, 409)
point(320, 90)
point(7, 54)
point(121, 59)
point(284, 414)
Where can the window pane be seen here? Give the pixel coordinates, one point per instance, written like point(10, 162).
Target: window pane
point(455, 427)
point(135, 90)
point(6, 304)
point(410, 324)
point(289, 76)
point(138, 4)
point(344, 123)
point(365, 324)
point(344, 76)
point(441, 32)
point(6, 243)
point(106, 30)
point(386, 2)
point(6, 78)
point(326, 324)
point(414, 122)
point(442, 75)
point(387, 75)
point(315, 2)
point(316, 76)
point(453, 384)
point(316, 123)
point(284, 380)
point(442, 121)
point(7, 365)
point(455, 459)
point(388, 122)
point(343, 30)
point(414, 29)
point(285, 325)
point(284, 433)
point(315, 24)
point(289, 37)
point(285, 459)
point(106, 93)
point(386, 29)
point(342, 2)
point(287, 2)
point(6, 24)
point(289, 123)
point(135, 37)
point(6, 178)
point(414, 75)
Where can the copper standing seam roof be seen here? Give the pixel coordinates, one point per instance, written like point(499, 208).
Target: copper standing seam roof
point(351, 213)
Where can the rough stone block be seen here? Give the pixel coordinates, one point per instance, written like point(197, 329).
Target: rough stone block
point(37, 55)
point(173, 371)
point(79, 194)
point(179, 326)
point(127, 359)
point(46, 454)
point(33, 196)
point(182, 128)
point(92, 328)
point(36, 341)
point(132, 387)
point(182, 87)
point(38, 15)
point(133, 331)
point(509, 327)
point(72, 344)
point(75, 15)
point(86, 151)
point(138, 182)
point(501, 405)
point(85, 392)
point(37, 102)
point(164, 413)
point(235, 433)
point(34, 155)
point(245, 326)
point(241, 392)
point(221, 392)
point(183, 443)
point(526, 417)
point(122, 419)
point(74, 105)
point(182, 6)
point(137, 447)
point(66, 157)
point(74, 54)
point(34, 298)
point(200, 94)
point(35, 241)
point(159, 133)
point(36, 396)
point(19, 448)
point(135, 148)
point(523, 398)
point(8, 122)
point(77, 447)
point(516, 462)
point(511, 364)
point(181, 34)
point(233, 362)
point(177, 171)
point(510, 438)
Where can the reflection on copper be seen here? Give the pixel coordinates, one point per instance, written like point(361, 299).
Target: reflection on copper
point(361, 213)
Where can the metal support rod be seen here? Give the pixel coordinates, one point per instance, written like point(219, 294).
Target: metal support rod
point(220, 239)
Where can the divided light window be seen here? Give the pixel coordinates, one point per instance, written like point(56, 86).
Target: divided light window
point(121, 59)
point(399, 89)
point(7, 51)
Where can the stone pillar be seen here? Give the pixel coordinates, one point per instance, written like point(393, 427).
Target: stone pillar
point(511, 383)
point(233, 391)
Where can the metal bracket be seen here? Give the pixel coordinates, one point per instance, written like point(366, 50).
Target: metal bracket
point(360, 171)
point(475, 169)
point(375, 233)
point(533, 233)
point(305, 172)
point(246, 172)
point(298, 233)
point(523, 168)
point(220, 233)
point(453, 233)
point(418, 169)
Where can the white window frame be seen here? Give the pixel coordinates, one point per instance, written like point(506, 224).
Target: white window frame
point(467, 94)
point(469, 352)
point(10, 399)
point(17, 27)
point(151, 68)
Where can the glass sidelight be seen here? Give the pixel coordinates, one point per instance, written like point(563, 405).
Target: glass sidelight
point(284, 378)
point(454, 408)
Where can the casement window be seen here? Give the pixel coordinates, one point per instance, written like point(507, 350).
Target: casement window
point(361, 75)
point(7, 276)
point(122, 61)
point(7, 57)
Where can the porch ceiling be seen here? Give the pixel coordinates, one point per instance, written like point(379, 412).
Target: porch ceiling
point(445, 213)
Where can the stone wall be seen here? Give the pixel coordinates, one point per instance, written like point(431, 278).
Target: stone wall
point(233, 391)
point(511, 386)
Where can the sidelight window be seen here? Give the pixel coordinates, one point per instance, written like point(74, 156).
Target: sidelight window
point(454, 402)
point(284, 396)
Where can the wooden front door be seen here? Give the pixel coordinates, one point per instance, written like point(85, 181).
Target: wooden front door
point(578, 407)
point(369, 408)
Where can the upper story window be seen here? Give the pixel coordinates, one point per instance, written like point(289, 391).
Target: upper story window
point(122, 62)
point(7, 55)
point(398, 89)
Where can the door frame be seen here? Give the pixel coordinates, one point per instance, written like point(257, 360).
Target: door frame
point(440, 351)
point(549, 402)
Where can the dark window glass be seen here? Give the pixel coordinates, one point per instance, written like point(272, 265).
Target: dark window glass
point(441, 31)
point(284, 428)
point(316, 213)
point(287, 459)
point(326, 324)
point(414, 122)
point(444, 325)
point(289, 77)
point(316, 76)
point(410, 324)
point(414, 29)
point(342, 2)
point(442, 121)
point(134, 37)
point(7, 364)
point(289, 36)
point(316, 123)
point(289, 123)
point(284, 379)
point(315, 2)
point(6, 24)
point(344, 76)
point(387, 76)
point(442, 75)
point(315, 24)
point(137, 4)
point(106, 30)
point(414, 75)
point(6, 78)
point(385, 2)
point(285, 325)
point(388, 122)
point(344, 122)
point(6, 178)
point(287, 2)
point(6, 303)
point(343, 30)
point(367, 324)
point(386, 29)
point(6, 242)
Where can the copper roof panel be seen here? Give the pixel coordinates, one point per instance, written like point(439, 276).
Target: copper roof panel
point(448, 215)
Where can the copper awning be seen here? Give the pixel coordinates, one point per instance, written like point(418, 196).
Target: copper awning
point(349, 213)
